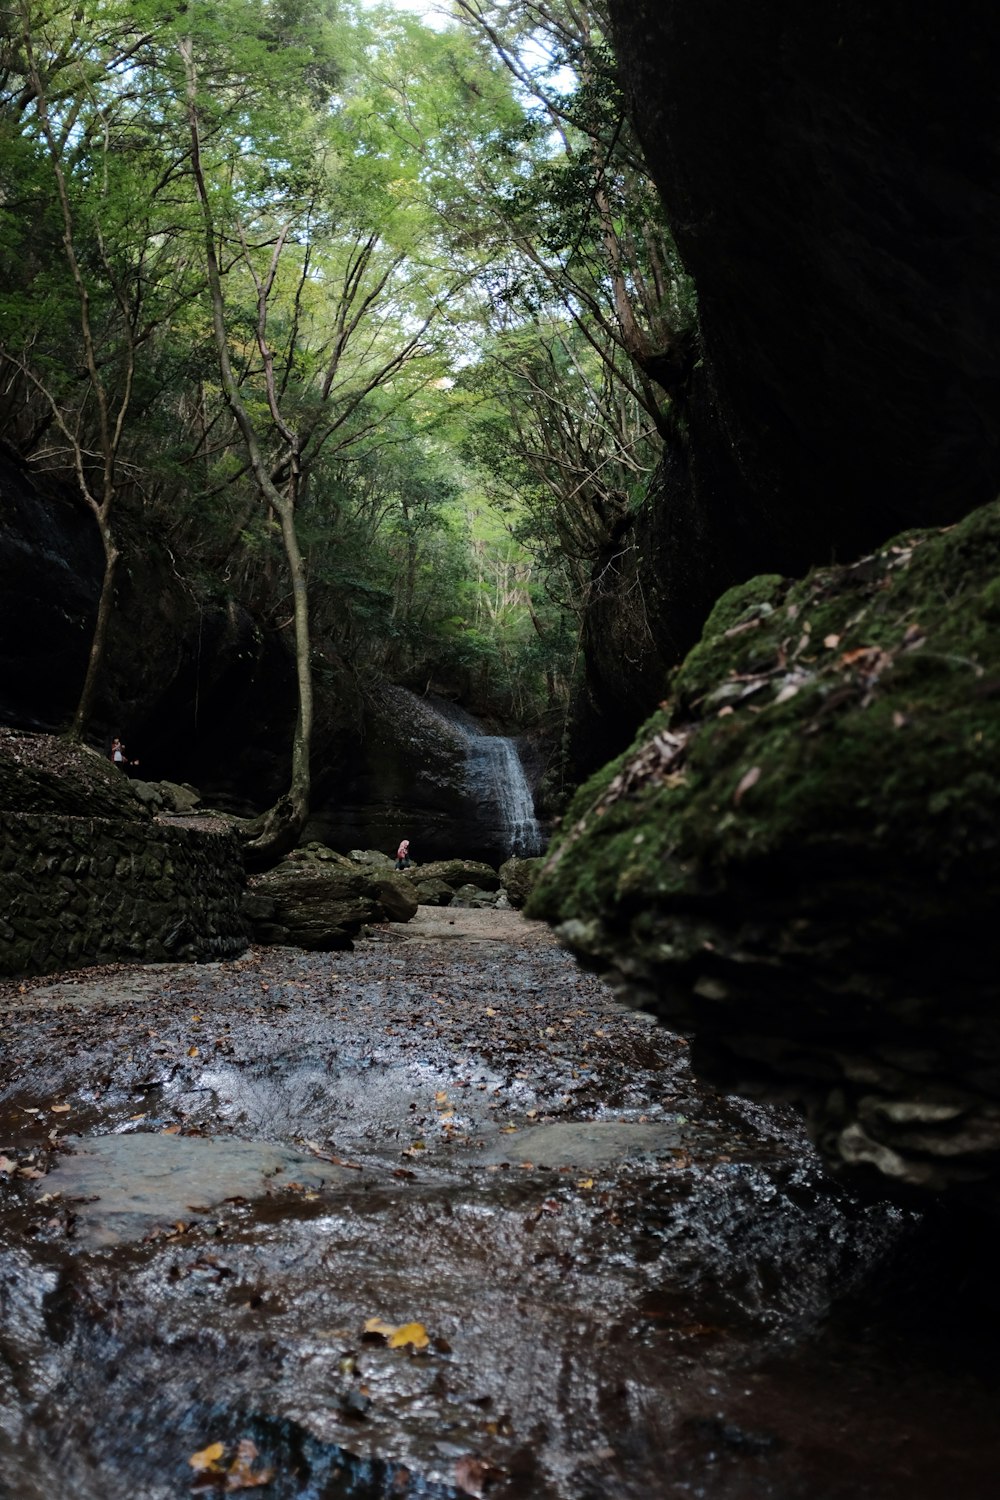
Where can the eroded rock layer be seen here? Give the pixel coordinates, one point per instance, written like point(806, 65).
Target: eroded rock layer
point(799, 858)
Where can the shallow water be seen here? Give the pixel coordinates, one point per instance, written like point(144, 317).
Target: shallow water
point(630, 1287)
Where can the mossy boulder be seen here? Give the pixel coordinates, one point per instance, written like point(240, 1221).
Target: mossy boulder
point(799, 858)
point(459, 872)
point(518, 876)
point(311, 905)
point(433, 892)
point(397, 897)
point(42, 773)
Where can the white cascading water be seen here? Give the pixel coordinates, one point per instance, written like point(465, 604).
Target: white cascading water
point(496, 778)
point(495, 767)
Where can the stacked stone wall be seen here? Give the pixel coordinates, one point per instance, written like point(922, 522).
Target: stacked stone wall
point(77, 891)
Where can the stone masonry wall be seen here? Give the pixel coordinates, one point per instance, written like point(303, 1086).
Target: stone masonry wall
point(77, 891)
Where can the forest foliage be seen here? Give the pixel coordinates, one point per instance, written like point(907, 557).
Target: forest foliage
point(313, 279)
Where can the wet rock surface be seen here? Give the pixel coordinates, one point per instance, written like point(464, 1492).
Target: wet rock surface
point(212, 1177)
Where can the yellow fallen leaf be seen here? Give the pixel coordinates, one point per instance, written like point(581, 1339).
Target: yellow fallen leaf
point(398, 1337)
point(379, 1325)
point(490, 1011)
point(207, 1461)
point(192, 1052)
point(59, 1109)
point(440, 1097)
point(409, 1333)
point(585, 1182)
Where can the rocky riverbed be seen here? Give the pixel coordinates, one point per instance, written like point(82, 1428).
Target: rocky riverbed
point(438, 1218)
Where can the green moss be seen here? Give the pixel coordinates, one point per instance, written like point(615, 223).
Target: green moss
point(855, 722)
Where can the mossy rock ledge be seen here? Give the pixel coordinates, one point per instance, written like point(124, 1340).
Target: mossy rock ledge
point(798, 861)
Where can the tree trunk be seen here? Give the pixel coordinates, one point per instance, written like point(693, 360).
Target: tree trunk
point(99, 638)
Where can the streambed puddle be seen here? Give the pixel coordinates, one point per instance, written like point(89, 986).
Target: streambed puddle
point(440, 1219)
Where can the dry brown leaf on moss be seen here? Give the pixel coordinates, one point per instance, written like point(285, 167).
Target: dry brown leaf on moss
point(241, 1475)
point(748, 780)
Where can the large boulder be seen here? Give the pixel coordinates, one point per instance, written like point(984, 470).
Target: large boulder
point(432, 892)
point(397, 897)
point(799, 858)
point(317, 898)
point(459, 872)
point(518, 876)
point(40, 773)
point(310, 905)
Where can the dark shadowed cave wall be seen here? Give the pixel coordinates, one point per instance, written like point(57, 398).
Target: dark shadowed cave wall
point(831, 177)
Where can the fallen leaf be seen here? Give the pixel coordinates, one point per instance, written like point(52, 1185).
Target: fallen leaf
point(398, 1337)
point(585, 1182)
point(409, 1333)
point(490, 1011)
point(7, 1164)
point(241, 1475)
point(171, 1130)
point(207, 1461)
point(831, 642)
point(471, 1475)
point(60, 1109)
point(750, 779)
point(192, 1052)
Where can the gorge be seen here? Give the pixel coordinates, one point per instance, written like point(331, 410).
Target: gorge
point(569, 436)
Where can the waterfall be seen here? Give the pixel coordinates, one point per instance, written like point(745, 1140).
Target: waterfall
point(497, 784)
point(495, 768)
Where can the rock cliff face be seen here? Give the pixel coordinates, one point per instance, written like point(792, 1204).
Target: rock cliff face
point(411, 771)
point(830, 176)
point(799, 859)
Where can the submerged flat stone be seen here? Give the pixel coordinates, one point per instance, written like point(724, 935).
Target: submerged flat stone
point(585, 1144)
point(122, 1186)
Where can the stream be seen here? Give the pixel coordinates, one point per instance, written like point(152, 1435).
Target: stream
point(439, 1218)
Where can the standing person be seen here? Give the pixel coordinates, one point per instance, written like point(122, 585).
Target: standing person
point(403, 855)
point(118, 756)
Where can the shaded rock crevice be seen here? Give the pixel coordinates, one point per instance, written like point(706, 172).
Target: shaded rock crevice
point(830, 179)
